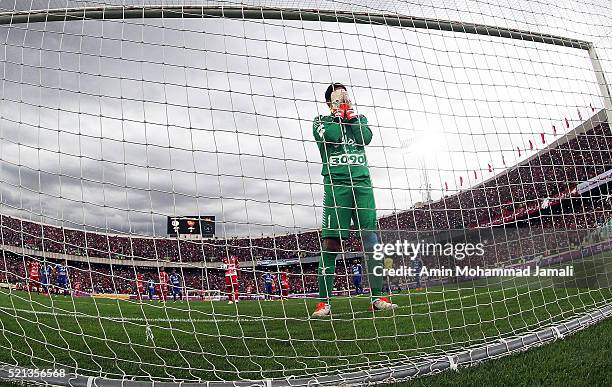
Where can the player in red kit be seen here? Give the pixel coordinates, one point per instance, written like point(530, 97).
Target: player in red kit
point(163, 284)
point(140, 285)
point(34, 275)
point(284, 284)
point(274, 286)
point(230, 264)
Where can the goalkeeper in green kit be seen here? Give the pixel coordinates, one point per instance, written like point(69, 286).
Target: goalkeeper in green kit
point(348, 195)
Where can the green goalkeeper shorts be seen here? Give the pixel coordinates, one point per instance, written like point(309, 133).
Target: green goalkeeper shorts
point(344, 202)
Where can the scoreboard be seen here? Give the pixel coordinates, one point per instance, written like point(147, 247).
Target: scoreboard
point(203, 226)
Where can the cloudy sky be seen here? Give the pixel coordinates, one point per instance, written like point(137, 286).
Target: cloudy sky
point(116, 124)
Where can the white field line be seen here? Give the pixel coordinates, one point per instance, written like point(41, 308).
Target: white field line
point(237, 318)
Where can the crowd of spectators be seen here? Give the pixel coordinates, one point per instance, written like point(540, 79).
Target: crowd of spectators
point(48, 238)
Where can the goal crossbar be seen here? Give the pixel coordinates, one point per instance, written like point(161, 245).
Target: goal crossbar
point(281, 13)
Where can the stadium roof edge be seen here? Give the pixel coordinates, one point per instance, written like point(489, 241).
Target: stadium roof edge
point(590, 123)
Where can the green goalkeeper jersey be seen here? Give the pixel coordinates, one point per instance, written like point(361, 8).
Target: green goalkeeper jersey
point(342, 147)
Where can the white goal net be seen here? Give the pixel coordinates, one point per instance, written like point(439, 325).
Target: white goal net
point(182, 201)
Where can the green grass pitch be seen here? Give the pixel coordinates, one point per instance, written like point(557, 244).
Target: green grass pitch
point(258, 339)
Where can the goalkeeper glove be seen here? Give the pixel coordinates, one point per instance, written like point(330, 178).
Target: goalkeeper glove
point(348, 111)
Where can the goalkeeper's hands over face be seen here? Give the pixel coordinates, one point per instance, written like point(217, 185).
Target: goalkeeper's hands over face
point(341, 105)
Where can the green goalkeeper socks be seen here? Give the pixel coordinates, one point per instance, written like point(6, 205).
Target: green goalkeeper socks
point(369, 239)
point(327, 271)
point(375, 281)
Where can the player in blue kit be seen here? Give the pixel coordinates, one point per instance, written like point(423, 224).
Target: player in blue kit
point(151, 288)
point(175, 281)
point(357, 271)
point(45, 277)
point(268, 279)
point(62, 278)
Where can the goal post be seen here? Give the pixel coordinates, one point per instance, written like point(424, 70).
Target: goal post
point(468, 184)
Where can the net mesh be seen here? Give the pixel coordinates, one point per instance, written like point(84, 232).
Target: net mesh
point(112, 125)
